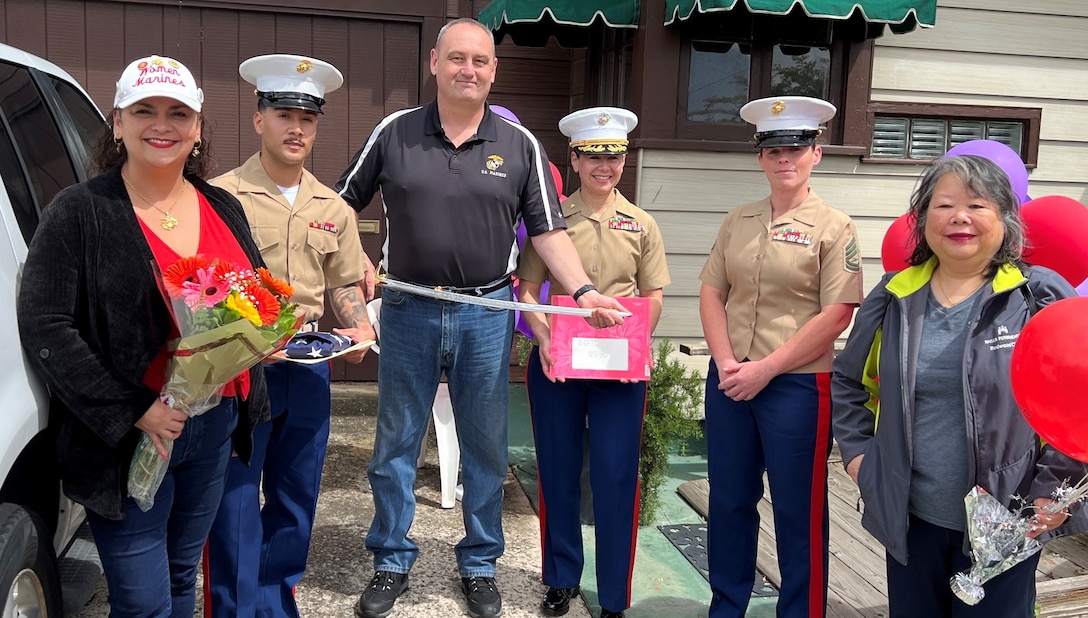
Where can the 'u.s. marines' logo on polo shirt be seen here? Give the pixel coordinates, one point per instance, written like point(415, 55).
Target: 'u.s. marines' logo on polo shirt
point(492, 165)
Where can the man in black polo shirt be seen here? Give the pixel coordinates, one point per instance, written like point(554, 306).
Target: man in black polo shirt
point(456, 180)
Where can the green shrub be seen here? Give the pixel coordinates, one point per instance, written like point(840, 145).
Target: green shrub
point(672, 416)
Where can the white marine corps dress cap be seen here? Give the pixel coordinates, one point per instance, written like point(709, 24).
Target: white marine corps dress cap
point(287, 81)
point(598, 130)
point(787, 121)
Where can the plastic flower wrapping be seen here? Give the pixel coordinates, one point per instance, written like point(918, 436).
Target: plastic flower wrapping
point(230, 318)
point(997, 536)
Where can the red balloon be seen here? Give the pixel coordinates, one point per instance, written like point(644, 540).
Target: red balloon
point(558, 178)
point(1057, 231)
point(898, 244)
point(1049, 370)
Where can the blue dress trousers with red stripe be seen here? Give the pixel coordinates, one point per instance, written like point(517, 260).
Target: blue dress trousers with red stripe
point(614, 412)
point(257, 554)
point(785, 430)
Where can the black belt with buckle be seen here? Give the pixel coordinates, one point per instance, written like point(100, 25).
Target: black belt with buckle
point(481, 290)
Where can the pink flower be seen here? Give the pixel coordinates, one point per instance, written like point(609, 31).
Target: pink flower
point(206, 291)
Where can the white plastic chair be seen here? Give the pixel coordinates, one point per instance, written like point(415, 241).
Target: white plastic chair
point(445, 429)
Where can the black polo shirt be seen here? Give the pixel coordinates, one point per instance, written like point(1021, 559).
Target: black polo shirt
point(452, 214)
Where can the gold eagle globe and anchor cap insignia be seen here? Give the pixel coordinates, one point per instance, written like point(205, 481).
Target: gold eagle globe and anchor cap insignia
point(288, 81)
point(599, 130)
point(787, 121)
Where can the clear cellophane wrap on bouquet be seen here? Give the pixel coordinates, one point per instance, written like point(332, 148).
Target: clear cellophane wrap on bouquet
point(230, 319)
point(998, 536)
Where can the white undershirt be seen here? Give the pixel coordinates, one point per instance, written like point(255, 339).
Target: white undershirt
point(290, 193)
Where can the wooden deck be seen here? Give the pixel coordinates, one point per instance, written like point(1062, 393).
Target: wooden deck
point(856, 576)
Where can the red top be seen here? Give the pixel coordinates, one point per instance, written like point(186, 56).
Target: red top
point(216, 242)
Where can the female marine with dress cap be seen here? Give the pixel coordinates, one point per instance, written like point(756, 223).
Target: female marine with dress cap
point(93, 321)
point(935, 335)
point(621, 249)
point(779, 286)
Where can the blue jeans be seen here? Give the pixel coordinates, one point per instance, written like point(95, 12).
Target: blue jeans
point(421, 338)
point(150, 559)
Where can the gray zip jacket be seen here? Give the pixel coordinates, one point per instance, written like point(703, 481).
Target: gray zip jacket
point(872, 388)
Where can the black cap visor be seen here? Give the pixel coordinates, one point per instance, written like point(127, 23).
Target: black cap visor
point(292, 100)
point(786, 137)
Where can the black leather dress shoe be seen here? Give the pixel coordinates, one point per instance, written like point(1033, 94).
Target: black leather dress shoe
point(557, 600)
point(607, 614)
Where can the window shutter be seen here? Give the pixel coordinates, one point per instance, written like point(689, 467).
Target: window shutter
point(890, 138)
point(966, 130)
point(1008, 133)
point(928, 138)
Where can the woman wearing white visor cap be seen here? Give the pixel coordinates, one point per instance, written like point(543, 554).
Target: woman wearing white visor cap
point(93, 320)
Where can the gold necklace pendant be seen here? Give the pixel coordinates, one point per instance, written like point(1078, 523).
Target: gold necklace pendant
point(168, 221)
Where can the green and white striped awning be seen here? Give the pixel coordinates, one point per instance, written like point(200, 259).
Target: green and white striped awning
point(899, 15)
point(532, 22)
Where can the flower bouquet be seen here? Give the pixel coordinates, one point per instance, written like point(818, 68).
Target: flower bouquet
point(230, 318)
point(998, 536)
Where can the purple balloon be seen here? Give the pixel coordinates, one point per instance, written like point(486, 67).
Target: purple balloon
point(505, 113)
point(520, 324)
point(1082, 289)
point(1005, 158)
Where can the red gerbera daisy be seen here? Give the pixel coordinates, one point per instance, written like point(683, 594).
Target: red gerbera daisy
point(279, 287)
point(267, 305)
point(181, 272)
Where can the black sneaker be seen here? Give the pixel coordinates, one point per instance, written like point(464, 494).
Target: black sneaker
point(557, 601)
point(380, 595)
point(484, 600)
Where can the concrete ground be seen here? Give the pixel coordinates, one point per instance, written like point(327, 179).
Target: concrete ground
point(339, 564)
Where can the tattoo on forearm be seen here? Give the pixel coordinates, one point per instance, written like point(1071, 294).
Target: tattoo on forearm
point(349, 306)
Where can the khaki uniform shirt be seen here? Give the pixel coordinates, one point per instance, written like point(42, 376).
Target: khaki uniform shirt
point(313, 245)
point(777, 275)
point(621, 249)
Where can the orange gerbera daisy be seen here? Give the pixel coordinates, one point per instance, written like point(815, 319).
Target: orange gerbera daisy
point(222, 269)
point(182, 271)
point(267, 305)
point(279, 287)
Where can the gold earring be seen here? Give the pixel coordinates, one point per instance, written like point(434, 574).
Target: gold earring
point(117, 143)
point(196, 149)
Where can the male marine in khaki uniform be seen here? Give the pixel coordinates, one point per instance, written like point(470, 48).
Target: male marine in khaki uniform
point(308, 236)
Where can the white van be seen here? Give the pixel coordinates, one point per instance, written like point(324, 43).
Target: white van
point(48, 125)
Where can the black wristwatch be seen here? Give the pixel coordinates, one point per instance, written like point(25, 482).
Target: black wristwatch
point(589, 287)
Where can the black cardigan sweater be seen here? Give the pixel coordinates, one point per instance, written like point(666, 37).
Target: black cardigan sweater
point(92, 319)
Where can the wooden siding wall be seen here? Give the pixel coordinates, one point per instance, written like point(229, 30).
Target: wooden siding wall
point(981, 52)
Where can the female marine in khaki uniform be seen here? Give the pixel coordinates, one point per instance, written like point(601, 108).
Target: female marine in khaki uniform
point(621, 249)
point(778, 287)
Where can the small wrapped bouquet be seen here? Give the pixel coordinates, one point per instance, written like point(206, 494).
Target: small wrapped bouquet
point(230, 318)
point(998, 537)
